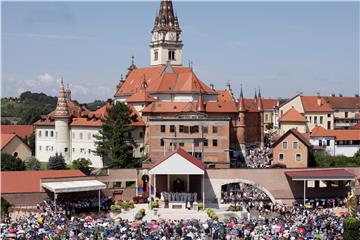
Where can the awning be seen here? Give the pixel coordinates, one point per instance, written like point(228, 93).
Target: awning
point(179, 163)
point(74, 186)
point(324, 175)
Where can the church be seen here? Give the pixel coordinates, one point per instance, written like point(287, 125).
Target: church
point(171, 108)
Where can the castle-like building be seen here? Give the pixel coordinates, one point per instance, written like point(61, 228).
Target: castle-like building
point(171, 108)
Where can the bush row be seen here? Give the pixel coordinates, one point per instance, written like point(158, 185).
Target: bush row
point(211, 213)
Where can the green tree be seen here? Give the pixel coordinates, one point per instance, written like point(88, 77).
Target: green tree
point(30, 140)
point(57, 162)
point(83, 165)
point(11, 163)
point(33, 164)
point(114, 140)
point(5, 207)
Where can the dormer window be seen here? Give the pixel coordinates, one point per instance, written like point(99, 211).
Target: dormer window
point(171, 54)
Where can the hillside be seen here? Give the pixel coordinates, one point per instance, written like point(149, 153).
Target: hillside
point(28, 107)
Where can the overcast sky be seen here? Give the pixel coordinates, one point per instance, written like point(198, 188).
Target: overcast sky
point(281, 47)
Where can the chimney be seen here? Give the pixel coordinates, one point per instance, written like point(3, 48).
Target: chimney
point(212, 86)
point(340, 95)
point(318, 99)
point(332, 95)
point(356, 95)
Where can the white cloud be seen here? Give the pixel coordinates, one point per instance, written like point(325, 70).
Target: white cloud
point(79, 90)
point(43, 79)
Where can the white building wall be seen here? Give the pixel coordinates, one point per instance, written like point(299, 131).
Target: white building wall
point(329, 149)
point(62, 142)
point(83, 144)
point(45, 145)
point(346, 150)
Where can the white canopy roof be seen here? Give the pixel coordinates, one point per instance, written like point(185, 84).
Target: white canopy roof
point(178, 163)
point(74, 186)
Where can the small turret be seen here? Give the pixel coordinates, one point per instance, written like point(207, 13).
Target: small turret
point(68, 93)
point(131, 67)
point(241, 107)
point(62, 110)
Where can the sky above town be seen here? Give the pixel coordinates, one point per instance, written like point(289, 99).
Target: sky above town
point(282, 47)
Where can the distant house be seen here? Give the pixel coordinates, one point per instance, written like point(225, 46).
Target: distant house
point(23, 131)
point(291, 149)
point(336, 142)
point(292, 119)
point(12, 144)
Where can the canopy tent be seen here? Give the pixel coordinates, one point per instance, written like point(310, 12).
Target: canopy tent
point(74, 186)
point(320, 175)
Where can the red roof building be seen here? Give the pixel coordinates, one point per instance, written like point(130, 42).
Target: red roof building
point(23, 131)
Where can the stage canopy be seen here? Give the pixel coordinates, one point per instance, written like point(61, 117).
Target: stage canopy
point(323, 175)
point(73, 186)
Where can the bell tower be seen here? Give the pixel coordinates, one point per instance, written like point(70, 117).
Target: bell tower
point(166, 44)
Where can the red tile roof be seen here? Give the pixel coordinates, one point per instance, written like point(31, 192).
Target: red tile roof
point(310, 104)
point(356, 126)
point(339, 134)
point(140, 97)
point(320, 174)
point(302, 137)
point(179, 79)
point(343, 102)
point(185, 155)
point(269, 104)
point(6, 138)
point(292, 116)
point(224, 96)
point(88, 122)
point(21, 130)
point(29, 181)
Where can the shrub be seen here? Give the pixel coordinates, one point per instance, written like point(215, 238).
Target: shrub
point(153, 205)
point(140, 214)
point(56, 162)
point(124, 205)
point(11, 163)
point(211, 213)
point(131, 204)
point(200, 206)
point(115, 208)
point(351, 228)
point(83, 165)
point(33, 164)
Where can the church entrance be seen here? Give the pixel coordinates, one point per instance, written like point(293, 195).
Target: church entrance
point(178, 183)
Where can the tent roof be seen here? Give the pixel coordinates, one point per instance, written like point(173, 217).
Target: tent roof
point(179, 162)
point(325, 175)
point(74, 186)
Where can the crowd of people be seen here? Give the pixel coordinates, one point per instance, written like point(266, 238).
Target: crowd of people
point(295, 222)
point(259, 157)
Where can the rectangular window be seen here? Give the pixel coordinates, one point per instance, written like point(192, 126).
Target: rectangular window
point(129, 134)
point(116, 184)
point(141, 134)
point(327, 142)
point(82, 150)
point(172, 128)
point(89, 136)
point(161, 142)
point(130, 184)
point(181, 128)
point(320, 143)
point(196, 144)
point(328, 125)
point(46, 133)
point(162, 128)
point(156, 55)
point(329, 115)
point(181, 144)
point(215, 142)
point(206, 143)
point(284, 145)
point(81, 135)
point(281, 157)
point(315, 119)
point(186, 129)
point(295, 145)
point(214, 129)
point(321, 120)
point(310, 119)
point(346, 114)
point(205, 129)
point(194, 129)
point(73, 149)
point(39, 134)
point(298, 157)
point(89, 151)
point(51, 133)
point(171, 55)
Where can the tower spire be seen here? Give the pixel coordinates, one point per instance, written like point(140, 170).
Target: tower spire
point(62, 110)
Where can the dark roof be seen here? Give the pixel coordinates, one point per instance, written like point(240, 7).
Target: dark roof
point(323, 174)
point(298, 135)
